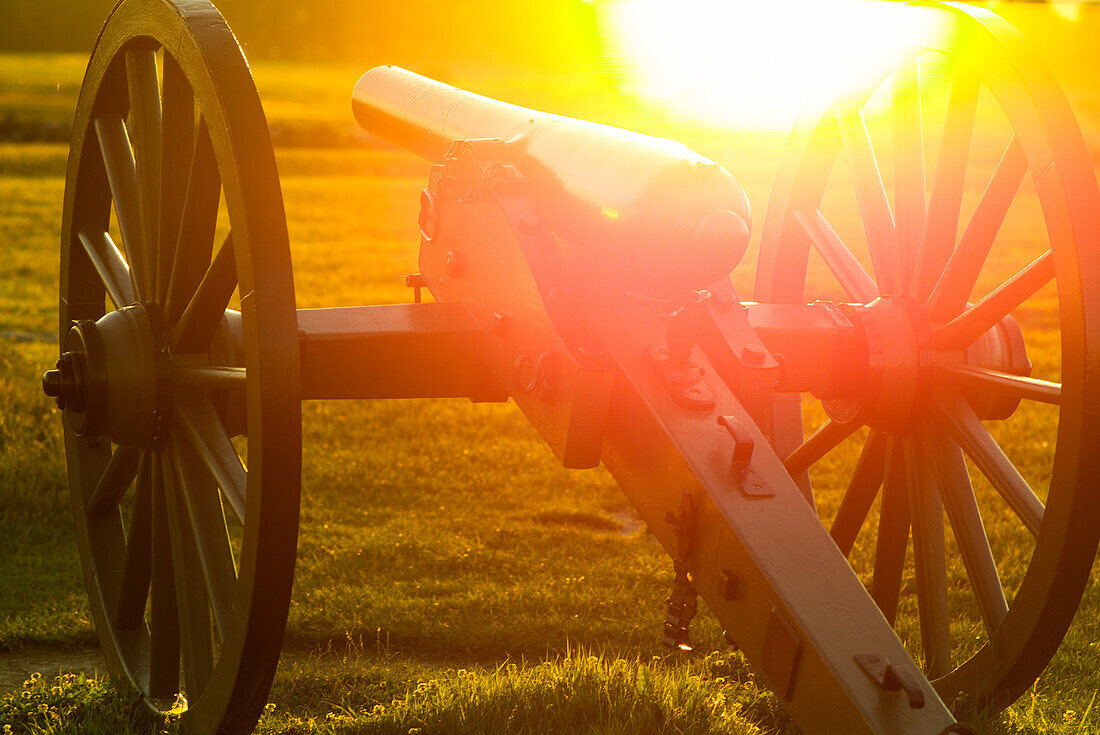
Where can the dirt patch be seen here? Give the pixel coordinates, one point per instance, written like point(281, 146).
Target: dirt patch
point(16, 667)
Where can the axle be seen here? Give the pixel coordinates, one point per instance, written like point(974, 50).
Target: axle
point(867, 362)
point(875, 362)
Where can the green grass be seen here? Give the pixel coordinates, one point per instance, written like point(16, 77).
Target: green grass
point(441, 533)
point(451, 576)
point(75, 703)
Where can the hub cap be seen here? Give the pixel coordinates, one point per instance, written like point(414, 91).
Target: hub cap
point(113, 379)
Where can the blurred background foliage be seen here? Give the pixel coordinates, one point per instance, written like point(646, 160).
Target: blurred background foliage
point(372, 32)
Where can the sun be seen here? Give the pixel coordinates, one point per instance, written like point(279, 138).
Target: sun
point(751, 63)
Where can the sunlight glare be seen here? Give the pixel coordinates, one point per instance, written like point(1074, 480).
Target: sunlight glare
point(1067, 10)
point(751, 63)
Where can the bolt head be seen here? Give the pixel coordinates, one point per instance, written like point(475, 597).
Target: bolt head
point(453, 264)
point(727, 585)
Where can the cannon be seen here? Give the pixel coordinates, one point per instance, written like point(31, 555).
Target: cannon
point(582, 271)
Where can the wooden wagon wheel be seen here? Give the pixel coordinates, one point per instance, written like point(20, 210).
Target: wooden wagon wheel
point(972, 363)
point(188, 556)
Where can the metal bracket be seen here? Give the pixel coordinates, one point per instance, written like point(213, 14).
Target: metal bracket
point(891, 678)
point(683, 600)
point(742, 443)
point(737, 354)
point(495, 172)
point(752, 485)
point(683, 524)
point(541, 374)
point(682, 378)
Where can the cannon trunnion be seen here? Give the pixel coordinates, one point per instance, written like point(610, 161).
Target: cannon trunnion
point(583, 272)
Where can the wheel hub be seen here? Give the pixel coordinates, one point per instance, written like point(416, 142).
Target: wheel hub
point(113, 378)
point(887, 377)
point(894, 380)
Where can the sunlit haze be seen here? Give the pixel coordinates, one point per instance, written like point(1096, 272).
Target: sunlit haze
point(751, 63)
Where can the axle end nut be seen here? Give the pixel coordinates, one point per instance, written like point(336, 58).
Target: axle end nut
point(64, 383)
point(51, 383)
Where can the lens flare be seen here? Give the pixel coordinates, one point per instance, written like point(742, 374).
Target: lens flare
point(751, 63)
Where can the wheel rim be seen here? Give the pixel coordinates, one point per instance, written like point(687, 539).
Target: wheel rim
point(189, 585)
point(982, 51)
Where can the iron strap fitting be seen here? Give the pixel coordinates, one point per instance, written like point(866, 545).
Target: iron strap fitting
point(683, 600)
point(751, 483)
point(531, 375)
point(891, 678)
point(680, 375)
point(493, 160)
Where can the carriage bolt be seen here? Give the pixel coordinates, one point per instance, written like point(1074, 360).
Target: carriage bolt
point(498, 324)
point(727, 585)
point(453, 263)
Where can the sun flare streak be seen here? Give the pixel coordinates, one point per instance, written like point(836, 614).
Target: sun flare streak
point(751, 63)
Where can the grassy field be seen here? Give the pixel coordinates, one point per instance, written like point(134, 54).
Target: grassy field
point(451, 576)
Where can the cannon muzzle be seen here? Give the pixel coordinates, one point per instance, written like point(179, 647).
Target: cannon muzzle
point(634, 211)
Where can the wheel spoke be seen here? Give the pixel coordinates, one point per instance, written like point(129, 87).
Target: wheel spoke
point(110, 265)
point(874, 207)
point(196, 235)
point(849, 273)
point(821, 442)
point(964, 329)
point(973, 378)
point(200, 423)
point(909, 177)
point(942, 222)
point(893, 533)
point(959, 276)
point(179, 132)
point(953, 480)
point(204, 509)
point(862, 489)
point(965, 428)
point(194, 609)
point(929, 561)
point(164, 633)
point(114, 482)
point(787, 433)
point(118, 160)
point(206, 308)
point(209, 376)
point(136, 567)
point(145, 134)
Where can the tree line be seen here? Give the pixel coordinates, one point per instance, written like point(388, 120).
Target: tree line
point(363, 31)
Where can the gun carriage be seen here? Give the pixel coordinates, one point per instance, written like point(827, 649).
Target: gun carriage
point(583, 272)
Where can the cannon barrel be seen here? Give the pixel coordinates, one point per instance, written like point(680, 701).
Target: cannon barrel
point(635, 211)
